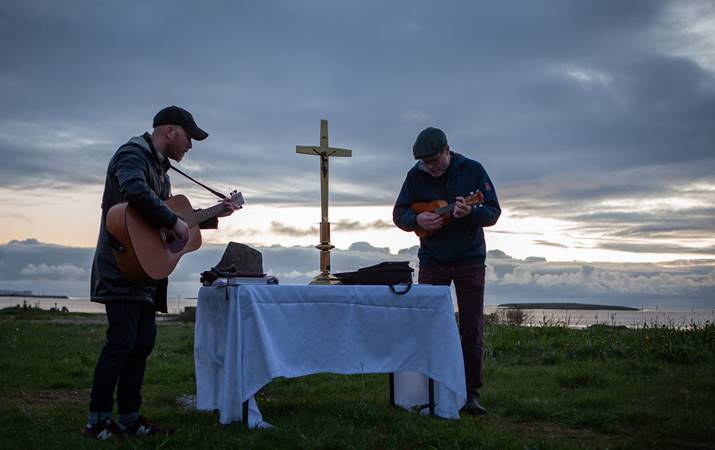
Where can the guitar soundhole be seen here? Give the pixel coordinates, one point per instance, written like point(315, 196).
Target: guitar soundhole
point(173, 244)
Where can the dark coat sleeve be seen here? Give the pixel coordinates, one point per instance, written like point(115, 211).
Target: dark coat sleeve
point(129, 169)
point(402, 215)
point(487, 214)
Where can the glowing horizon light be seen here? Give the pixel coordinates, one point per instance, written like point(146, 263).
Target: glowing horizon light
point(74, 215)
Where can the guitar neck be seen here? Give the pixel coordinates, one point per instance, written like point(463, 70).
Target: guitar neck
point(204, 214)
point(474, 199)
point(446, 209)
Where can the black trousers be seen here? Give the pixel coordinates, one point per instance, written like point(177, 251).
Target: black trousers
point(130, 339)
point(469, 284)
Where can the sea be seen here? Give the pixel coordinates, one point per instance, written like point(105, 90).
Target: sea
point(646, 316)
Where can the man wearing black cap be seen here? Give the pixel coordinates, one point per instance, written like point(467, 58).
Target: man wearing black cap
point(136, 174)
point(454, 252)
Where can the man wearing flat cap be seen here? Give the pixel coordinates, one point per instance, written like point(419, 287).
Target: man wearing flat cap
point(455, 251)
point(136, 174)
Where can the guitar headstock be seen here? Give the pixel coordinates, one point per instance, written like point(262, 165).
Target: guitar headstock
point(475, 199)
point(237, 198)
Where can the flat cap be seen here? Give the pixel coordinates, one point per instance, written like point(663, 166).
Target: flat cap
point(429, 142)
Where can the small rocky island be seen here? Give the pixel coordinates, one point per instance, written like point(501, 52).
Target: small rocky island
point(574, 306)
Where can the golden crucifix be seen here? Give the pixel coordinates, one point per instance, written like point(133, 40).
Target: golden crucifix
point(325, 152)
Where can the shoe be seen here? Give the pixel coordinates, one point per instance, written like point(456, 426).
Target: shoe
point(474, 407)
point(143, 427)
point(102, 431)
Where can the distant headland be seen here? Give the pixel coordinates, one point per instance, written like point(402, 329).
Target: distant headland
point(576, 306)
point(28, 294)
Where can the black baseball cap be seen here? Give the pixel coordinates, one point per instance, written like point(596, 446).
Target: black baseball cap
point(173, 115)
point(429, 142)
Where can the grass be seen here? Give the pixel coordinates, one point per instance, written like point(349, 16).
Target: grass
point(545, 387)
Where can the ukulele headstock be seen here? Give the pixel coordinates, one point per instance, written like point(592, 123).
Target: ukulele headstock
point(475, 199)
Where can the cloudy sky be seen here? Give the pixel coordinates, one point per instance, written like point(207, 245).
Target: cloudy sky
point(594, 119)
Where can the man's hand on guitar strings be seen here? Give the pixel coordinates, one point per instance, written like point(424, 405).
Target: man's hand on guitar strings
point(429, 221)
point(181, 229)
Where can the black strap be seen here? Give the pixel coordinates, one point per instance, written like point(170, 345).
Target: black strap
point(216, 193)
point(407, 287)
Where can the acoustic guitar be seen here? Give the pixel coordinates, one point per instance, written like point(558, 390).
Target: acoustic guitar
point(146, 252)
point(442, 208)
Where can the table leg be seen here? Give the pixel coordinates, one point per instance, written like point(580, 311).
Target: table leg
point(392, 388)
point(431, 397)
point(244, 416)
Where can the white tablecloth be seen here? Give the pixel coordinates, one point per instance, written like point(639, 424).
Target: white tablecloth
point(248, 335)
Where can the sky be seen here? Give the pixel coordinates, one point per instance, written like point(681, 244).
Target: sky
point(594, 120)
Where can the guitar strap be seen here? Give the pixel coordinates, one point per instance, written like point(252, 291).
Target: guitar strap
point(214, 192)
point(166, 162)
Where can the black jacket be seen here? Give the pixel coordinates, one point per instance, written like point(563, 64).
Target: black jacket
point(137, 174)
point(462, 240)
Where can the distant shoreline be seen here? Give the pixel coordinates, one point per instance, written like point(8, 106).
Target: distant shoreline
point(574, 306)
point(64, 297)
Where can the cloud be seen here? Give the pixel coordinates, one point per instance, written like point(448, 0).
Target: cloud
point(409, 252)
point(366, 247)
point(657, 248)
point(295, 276)
point(620, 111)
point(549, 244)
point(645, 210)
point(351, 225)
point(16, 216)
point(415, 117)
point(280, 228)
point(64, 271)
point(683, 283)
point(57, 155)
point(337, 227)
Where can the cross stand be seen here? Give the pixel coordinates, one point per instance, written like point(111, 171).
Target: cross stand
point(325, 152)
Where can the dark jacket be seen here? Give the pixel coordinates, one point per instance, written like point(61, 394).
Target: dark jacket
point(462, 240)
point(137, 174)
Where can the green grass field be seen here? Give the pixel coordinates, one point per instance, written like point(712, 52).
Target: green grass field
point(545, 387)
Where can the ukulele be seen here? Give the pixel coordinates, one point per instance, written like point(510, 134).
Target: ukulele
point(443, 209)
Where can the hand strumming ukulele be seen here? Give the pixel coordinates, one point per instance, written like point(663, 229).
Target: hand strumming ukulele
point(443, 209)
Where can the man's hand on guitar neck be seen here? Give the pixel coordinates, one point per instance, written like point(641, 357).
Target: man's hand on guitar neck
point(181, 228)
point(461, 209)
point(228, 207)
point(429, 221)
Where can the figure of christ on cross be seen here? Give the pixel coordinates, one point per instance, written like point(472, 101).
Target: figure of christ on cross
point(325, 152)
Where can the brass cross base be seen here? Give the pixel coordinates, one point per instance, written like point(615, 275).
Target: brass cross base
point(325, 277)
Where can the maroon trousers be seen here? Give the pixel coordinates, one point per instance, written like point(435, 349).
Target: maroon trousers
point(469, 284)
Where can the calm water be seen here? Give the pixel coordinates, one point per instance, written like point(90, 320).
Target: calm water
point(82, 304)
point(671, 317)
point(674, 317)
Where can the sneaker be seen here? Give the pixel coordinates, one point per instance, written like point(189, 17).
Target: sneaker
point(474, 407)
point(102, 431)
point(143, 427)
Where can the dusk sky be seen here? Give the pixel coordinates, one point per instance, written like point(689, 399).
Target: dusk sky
point(594, 119)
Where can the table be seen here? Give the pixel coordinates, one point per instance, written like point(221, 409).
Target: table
point(247, 335)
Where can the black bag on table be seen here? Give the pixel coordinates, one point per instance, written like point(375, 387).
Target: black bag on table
point(388, 273)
